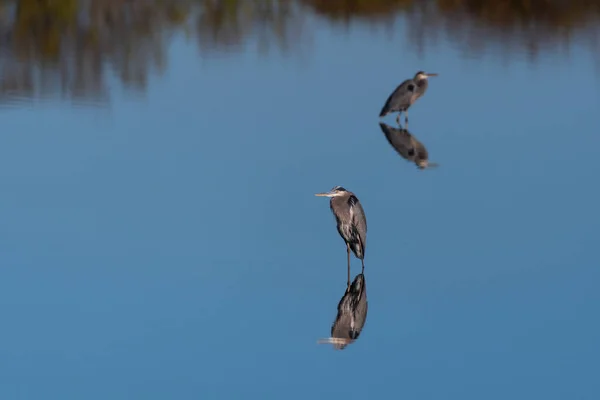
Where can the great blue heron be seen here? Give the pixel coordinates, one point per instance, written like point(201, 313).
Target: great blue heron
point(407, 146)
point(351, 222)
point(405, 95)
point(351, 315)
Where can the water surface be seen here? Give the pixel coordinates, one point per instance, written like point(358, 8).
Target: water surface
point(159, 236)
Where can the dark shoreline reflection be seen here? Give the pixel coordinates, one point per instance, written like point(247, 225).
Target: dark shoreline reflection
point(70, 49)
point(351, 315)
point(407, 146)
point(474, 26)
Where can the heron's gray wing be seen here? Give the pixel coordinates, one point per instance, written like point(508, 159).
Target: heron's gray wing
point(400, 98)
point(359, 304)
point(400, 140)
point(359, 220)
point(360, 314)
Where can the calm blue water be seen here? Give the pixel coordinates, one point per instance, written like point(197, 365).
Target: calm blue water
point(169, 245)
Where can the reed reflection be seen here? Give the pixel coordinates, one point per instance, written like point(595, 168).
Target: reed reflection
point(228, 26)
point(351, 315)
point(407, 146)
point(515, 26)
point(70, 48)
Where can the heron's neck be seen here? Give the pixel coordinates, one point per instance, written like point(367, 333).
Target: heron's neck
point(422, 83)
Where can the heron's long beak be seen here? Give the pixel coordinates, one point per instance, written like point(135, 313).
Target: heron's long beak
point(433, 165)
point(334, 340)
point(432, 74)
point(325, 194)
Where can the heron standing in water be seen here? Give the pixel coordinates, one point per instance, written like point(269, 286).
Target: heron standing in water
point(405, 95)
point(351, 222)
point(351, 315)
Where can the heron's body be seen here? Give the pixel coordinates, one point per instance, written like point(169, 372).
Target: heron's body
point(405, 95)
point(407, 145)
point(352, 313)
point(350, 218)
point(351, 222)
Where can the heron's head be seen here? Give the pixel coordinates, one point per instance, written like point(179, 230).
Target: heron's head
point(335, 192)
point(337, 342)
point(424, 163)
point(423, 75)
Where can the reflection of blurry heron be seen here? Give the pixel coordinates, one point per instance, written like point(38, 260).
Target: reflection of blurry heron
point(405, 95)
point(351, 315)
point(407, 146)
point(351, 222)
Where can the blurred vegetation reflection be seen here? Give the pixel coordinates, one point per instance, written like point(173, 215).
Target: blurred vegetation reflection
point(68, 48)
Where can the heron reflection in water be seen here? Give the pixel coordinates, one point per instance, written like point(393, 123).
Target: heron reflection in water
point(407, 146)
point(351, 315)
point(405, 95)
point(351, 222)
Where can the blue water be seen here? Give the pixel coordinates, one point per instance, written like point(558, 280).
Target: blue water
point(169, 245)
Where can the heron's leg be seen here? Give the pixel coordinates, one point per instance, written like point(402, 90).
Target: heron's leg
point(348, 248)
point(398, 118)
point(363, 266)
point(406, 117)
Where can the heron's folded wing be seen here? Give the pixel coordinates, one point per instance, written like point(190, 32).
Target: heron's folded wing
point(400, 139)
point(359, 220)
point(400, 98)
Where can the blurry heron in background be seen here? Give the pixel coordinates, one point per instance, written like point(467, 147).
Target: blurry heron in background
point(351, 315)
point(407, 146)
point(351, 222)
point(405, 95)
